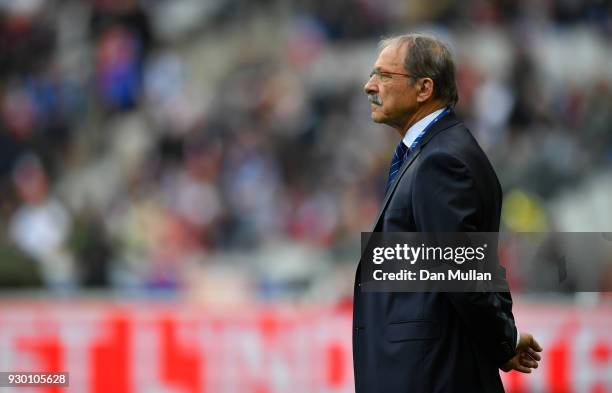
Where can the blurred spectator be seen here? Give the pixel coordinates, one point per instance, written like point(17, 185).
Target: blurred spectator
point(40, 226)
point(122, 39)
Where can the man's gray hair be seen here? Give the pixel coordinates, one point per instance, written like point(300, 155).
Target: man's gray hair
point(427, 56)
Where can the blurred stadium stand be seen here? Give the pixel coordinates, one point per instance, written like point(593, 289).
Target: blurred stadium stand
point(221, 151)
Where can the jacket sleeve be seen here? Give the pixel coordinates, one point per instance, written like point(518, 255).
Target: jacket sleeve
point(445, 200)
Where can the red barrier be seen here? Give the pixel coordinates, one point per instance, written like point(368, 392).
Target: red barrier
point(154, 348)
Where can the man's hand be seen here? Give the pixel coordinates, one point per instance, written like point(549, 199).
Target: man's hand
point(527, 356)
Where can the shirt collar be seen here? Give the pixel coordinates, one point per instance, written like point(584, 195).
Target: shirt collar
point(414, 131)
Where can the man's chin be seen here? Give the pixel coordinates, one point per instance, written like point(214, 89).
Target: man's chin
point(377, 118)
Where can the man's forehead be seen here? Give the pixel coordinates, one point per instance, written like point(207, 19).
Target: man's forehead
point(392, 55)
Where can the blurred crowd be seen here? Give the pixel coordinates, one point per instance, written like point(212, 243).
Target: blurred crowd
point(223, 149)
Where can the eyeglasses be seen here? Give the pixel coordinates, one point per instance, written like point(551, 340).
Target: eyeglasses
point(384, 76)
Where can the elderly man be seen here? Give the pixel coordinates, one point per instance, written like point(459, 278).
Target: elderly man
point(439, 181)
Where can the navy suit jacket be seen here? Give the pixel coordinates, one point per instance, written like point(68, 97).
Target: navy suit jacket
point(430, 342)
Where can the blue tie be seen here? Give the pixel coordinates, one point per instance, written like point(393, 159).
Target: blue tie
point(396, 162)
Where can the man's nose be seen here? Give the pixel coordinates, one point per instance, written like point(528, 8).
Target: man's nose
point(370, 87)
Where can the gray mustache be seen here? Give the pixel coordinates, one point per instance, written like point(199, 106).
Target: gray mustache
point(375, 99)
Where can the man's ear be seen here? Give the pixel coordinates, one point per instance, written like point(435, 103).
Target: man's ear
point(425, 89)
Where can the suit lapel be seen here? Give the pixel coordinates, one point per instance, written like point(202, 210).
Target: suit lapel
point(444, 123)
